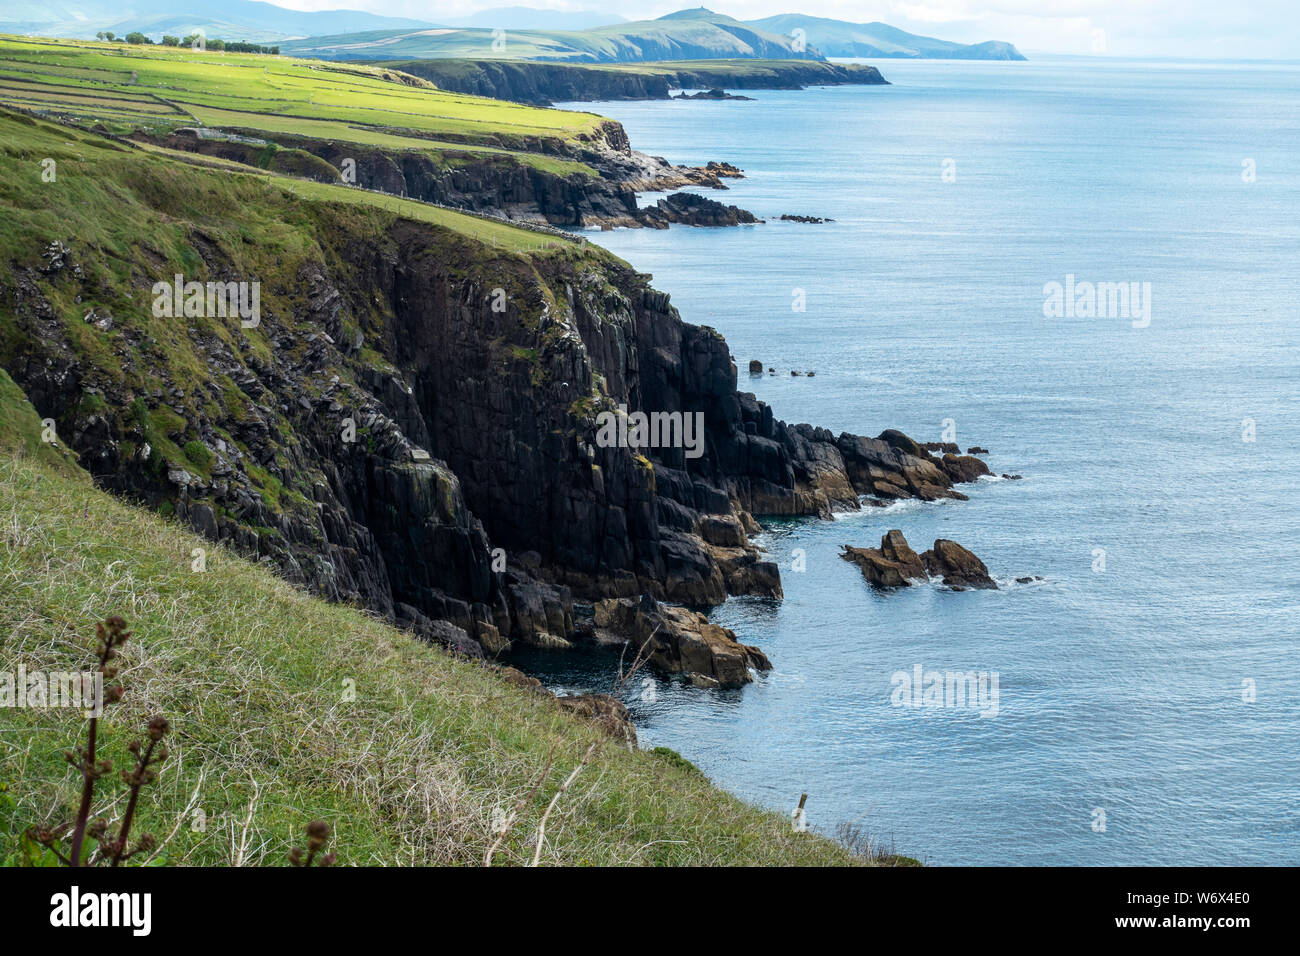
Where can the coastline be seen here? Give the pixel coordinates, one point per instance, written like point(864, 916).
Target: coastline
point(540, 83)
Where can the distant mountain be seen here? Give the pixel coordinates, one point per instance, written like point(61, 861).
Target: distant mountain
point(527, 18)
point(228, 19)
point(841, 38)
point(697, 34)
point(584, 37)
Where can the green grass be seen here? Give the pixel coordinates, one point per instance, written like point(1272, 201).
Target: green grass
point(255, 678)
point(153, 88)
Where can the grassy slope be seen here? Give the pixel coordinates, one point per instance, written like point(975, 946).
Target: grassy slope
point(161, 88)
point(251, 673)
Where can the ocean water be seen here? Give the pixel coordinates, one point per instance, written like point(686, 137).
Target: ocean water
point(1168, 541)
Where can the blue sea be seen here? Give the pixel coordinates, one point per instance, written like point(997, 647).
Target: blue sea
point(1149, 685)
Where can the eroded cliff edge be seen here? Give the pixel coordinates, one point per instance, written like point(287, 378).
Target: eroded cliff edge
point(412, 400)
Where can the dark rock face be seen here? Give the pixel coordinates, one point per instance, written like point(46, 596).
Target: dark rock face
point(473, 503)
point(958, 567)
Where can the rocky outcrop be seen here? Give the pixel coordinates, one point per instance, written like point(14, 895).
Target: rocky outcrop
point(714, 94)
point(895, 565)
point(678, 642)
point(963, 468)
point(893, 466)
point(693, 210)
point(958, 567)
point(541, 84)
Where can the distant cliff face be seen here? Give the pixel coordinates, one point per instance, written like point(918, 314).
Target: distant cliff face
point(545, 83)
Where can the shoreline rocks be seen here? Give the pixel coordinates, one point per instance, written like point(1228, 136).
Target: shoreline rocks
point(678, 642)
point(713, 94)
point(691, 209)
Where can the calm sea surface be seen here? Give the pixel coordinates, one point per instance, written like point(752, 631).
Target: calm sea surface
point(1122, 675)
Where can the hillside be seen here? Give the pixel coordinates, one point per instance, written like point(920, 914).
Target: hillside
point(697, 34)
point(332, 123)
point(163, 88)
point(840, 38)
point(417, 768)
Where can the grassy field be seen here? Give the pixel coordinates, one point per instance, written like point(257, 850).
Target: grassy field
point(96, 174)
point(157, 89)
point(286, 709)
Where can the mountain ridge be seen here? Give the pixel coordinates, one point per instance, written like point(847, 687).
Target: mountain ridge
point(688, 34)
point(842, 38)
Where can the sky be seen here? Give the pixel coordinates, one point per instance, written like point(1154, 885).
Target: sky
point(1253, 29)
